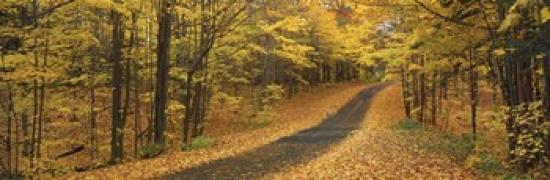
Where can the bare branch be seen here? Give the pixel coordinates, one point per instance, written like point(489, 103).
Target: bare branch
point(446, 18)
point(41, 14)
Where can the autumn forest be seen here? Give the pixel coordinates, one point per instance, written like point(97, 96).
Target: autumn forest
point(274, 89)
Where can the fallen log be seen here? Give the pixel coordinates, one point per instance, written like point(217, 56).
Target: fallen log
point(74, 150)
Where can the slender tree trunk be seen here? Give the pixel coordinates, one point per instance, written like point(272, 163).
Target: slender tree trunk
point(163, 51)
point(546, 66)
point(188, 108)
point(197, 108)
point(405, 90)
point(434, 98)
point(415, 94)
point(151, 83)
point(137, 112)
point(135, 68)
point(117, 128)
point(93, 121)
point(35, 94)
point(74, 94)
point(473, 95)
point(422, 92)
point(547, 99)
point(511, 102)
point(9, 117)
point(525, 97)
point(127, 92)
point(16, 143)
point(43, 92)
point(27, 146)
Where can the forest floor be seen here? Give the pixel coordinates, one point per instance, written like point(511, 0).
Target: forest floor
point(348, 134)
point(381, 149)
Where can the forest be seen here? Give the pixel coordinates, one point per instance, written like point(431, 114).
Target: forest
point(274, 89)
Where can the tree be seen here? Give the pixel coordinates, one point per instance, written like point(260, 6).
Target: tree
point(164, 19)
point(117, 129)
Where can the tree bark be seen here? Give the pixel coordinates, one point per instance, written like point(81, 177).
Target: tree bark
point(434, 99)
point(163, 67)
point(546, 66)
point(473, 95)
point(117, 128)
point(405, 89)
point(93, 121)
point(547, 99)
point(188, 108)
point(9, 117)
point(135, 68)
point(422, 89)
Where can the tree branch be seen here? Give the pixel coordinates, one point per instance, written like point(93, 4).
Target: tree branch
point(446, 18)
point(41, 14)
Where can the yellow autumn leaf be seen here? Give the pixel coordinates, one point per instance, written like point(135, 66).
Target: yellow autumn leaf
point(499, 52)
point(545, 14)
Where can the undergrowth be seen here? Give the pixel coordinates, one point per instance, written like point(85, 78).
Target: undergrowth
point(408, 125)
point(262, 119)
point(463, 149)
point(150, 151)
point(199, 142)
point(475, 154)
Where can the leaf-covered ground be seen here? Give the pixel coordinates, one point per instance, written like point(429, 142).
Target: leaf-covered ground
point(379, 151)
point(304, 111)
point(288, 151)
point(374, 149)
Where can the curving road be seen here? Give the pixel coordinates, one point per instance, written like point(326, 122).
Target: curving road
point(295, 149)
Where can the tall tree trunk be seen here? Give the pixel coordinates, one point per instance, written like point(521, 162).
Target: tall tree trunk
point(27, 143)
point(422, 92)
point(547, 100)
point(16, 143)
point(434, 98)
point(415, 84)
point(188, 107)
point(137, 122)
point(197, 98)
point(9, 117)
point(35, 94)
point(137, 112)
point(163, 67)
point(511, 102)
point(127, 93)
point(473, 94)
point(546, 66)
point(42, 94)
point(525, 97)
point(93, 121)
point(150, 124)
point(117, 128)
point(405, 90)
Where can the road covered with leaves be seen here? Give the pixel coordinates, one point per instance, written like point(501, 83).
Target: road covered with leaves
point(379, 149)
point(355, 138)
point(287, 151)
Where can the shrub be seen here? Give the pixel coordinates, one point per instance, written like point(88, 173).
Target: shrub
point(272, 93)
point(199, 142)
point(484, 163)
point(408, 125)
point(262, 119)
point(150, 150)
point(460, 147)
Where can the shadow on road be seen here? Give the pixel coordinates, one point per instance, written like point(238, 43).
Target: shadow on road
point(292, 150)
